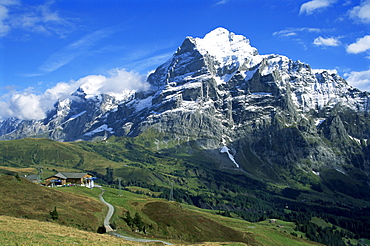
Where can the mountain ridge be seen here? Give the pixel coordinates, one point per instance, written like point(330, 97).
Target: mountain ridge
point(218, 92)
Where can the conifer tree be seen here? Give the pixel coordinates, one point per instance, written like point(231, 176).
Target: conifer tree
point(54, 214)
point(138, 222)
point(129, 220)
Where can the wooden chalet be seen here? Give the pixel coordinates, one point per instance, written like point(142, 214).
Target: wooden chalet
point(81, 179)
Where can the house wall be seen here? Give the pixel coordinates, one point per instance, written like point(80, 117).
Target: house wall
point(74, 181)
point(49, 181)
point(77, 181)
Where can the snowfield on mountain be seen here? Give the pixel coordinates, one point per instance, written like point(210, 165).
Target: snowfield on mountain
point(219, 93)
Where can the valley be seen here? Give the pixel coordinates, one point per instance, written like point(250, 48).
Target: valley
point(148, 177)
point(262, 149)
point(163, 220)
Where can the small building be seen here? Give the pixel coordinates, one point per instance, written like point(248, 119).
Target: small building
point(33, 178)
point(81, 179)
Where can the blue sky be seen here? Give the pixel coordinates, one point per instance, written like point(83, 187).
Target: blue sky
point(47, 48)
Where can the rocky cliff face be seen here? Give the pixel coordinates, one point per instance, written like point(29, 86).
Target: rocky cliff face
point(219, 93)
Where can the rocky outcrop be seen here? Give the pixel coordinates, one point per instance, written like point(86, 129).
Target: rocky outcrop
point(218, 91)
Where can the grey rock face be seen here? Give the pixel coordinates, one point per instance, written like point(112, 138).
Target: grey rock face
point(218, 91)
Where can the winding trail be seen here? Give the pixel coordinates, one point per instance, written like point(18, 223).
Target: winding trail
point(109, 215)
point(109, 229)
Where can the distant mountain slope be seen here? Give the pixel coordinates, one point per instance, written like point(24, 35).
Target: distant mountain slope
point(264, 115)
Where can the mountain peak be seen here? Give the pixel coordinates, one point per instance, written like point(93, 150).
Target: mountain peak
point(219, 33)
point(225, 46)
point(219, 53)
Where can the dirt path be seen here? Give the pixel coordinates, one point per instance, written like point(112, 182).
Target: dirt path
point(109, 229)
point(109, 215)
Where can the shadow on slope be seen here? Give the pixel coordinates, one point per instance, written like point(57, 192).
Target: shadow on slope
point(177, 223)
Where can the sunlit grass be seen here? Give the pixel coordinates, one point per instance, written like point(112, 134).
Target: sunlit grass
point(264, 232)
point(16, 231)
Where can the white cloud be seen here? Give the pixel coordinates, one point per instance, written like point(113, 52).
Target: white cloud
point(4, 16)
point(320, 41)
point(121, 80)
point(32, 18)
point(60, 90)
point(149, 62)
point(221, 2)
point(4, 28)
point(30, 106)
point(27, 105)
point(361, 12)
point(75, 49)
point(294, 31)
point(285, 33)
point(116, 84)
point(361, 45)
point(360, 80)
point(312, 6)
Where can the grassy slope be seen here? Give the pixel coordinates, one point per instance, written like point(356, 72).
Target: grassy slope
point(79, 207)
point(17, 231)
point(28, 153)
point(134, 162)
point(179, 223)
point(23, 199)
point(129, 161)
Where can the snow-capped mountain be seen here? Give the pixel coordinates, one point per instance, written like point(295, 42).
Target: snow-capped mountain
point(219, 94)
point(76, 117)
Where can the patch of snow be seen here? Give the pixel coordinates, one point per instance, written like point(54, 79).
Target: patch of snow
point(316, 173)
point(330, 71)
point(190, 105)
point(101, 128)
point(123, 95)
point(188, 85)
point(319, 121)
point(356, 139)
point(249, 74)
point(64, 103)
point(226, 47)
point(228, 51)
point(144, 103)
point(223, 79)
point(262, 93)
point(73, 117)
point(341, 171)
point(225, 149)
point(252, 108)
point(275, 62)
point(218, 80)
point(77, 115)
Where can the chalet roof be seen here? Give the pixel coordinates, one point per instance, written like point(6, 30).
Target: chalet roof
point(69, 175)
point(32, 177)
point(74, 175)
point(60, 175)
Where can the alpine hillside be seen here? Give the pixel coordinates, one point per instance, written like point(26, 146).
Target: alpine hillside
point(255, 113)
